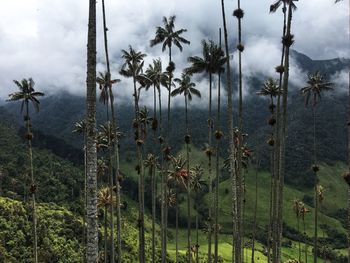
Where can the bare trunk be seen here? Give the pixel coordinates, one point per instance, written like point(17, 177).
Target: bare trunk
point(111, 171)
point(230, 128)
point(91, 154)
point(188, 185)
point(217, 167)
point(256, 204)
point(240, 234)
point(283, 136)
point(210, 128)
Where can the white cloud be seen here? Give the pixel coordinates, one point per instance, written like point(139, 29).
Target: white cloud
point(46, 40)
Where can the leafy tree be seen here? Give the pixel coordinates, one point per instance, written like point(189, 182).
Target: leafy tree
point(27, 94)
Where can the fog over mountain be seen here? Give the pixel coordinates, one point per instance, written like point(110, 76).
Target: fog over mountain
point(48, 41)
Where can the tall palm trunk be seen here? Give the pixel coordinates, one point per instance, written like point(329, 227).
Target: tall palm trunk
point(305, 241)
point(33, 187)
point(255, 205)
point(349, 143)
point(197, 229)
point(140, 171)
point(230, 129)
point(154, 182)
point(164, 202)
point(163, 181)
point(239, 246)
point(105, 234)
point(217, 167)
point(115, 153)
point(299, 245)
point(210, 128)
point(315, 187)
point(188, 185)
point(177, 224)
point(276, 153)
point(85, 181)
point(91, 154)
point(283, 135)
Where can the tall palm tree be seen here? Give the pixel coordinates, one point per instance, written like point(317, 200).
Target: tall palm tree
point(132, 67)
point(348, 223)
point(104, 201)
point(168, 36)
point(218, 136)
point(197, 183)
point(179, 176)
point(91, 154)
point(230, 128)
point(155, 77)
point(27, 94)
point(239, 14)
point(281, 127)
point(316, 85)
point(114, 174)
point(211, 63)
point(187, 88)
point(80, 128)
point(271, 89)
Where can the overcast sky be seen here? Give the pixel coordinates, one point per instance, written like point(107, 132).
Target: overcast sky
point(46, 39)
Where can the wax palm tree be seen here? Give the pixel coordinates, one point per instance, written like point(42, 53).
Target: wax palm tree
point(91, 154)
point(80, 128)
point(211, 63)
point(348, 222)
point(132, 67)
point(107, 87)
point(168, 36)
point(157, 78)
point(27, 95)
point(239, 14)
point(316, 85)
point(281, 127)
point(179, 176)
point(230, 128)
point(187, 88)
point(272, 90)
point(104, 201)
point(197, 183)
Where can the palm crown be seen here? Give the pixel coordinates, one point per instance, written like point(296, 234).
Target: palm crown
point(274, 7)
point(168, 35)
point(155, 75)
point(270, 88)
point(26, 93)
point(316, 84)
point(212, 61)
point(105, 82)
point(185, 87)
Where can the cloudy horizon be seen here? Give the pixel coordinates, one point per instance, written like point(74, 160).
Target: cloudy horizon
point(48, 41)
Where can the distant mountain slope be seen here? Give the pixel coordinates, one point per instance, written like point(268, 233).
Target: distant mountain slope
point(59, 113)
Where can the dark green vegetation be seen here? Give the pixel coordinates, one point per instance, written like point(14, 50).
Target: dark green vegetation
point(60, 181)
